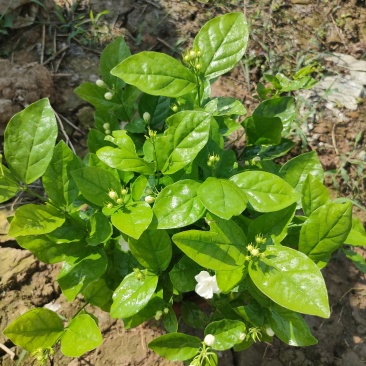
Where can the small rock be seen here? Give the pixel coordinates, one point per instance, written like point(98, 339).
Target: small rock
point(350, 358)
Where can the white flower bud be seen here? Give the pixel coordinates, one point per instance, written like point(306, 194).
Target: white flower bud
point(124, 191)
point(255, 252)
point(166, 310)
point(113, 195)
point(108, 95)
point(106, 126)
point(119, 201)
point(209, 340)
point(242, 336)
point(124, 245)
point(269, 331)
point(149, 199)
point(146, 117)
point(100, 83)
point(158, 315)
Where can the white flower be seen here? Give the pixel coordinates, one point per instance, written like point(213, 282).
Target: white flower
point(124, 245)
point(207, 285)
point(269, 331)
point(209, 340)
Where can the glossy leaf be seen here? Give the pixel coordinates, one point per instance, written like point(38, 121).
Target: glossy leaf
point(97, 293)
point(325, 230)
point(133, 294)
point(357, 234)
point(70, 231)
point(296, 170)
point(290, 327)
point(314, 194)
point(177, 205)
point(156, 74)
point(222, 42)
point(37, 328)
point(222, 197)
point(81, 268)
point(9, 186)
point(134, 219)
point(190, 131)
point(82, 335)
point(227, 333)
point(153, 250)
point(170, 321)
point(262, 130)
point(95, 183)
point(29, 141)
point(266, 192)
point(157, 106)
point(100, 229)
point(59, 185)
point(292, 280)
point(34, 219)
point(221, 248)
point(176, 346)
point(227, 280)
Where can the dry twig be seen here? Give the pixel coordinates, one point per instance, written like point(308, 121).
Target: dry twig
point(8, 351)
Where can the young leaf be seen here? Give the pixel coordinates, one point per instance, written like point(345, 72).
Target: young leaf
point(314, 195)
point(153, 250)
point(177, 205)
point(266, 192)
point(190, 131)
point(133, 294)
point(134, 219)
point(170, 321)
point(29, 141)
point(296, 170)
point(325, 230)
point(227, 280)
point(100, 229)
point(176, 346)
point(37, 328)
point(9, 186)
point(290, 327)
point(34, 219)
point(82, 335)
point(98, 293)
point(95, 183)
point(156, 74)
point(222, 197)
point(292, 280)
point(157, 106)
point(221, 248)
point(59, 185)
point(222, 42)
point(357, 259)
point(357, 235)
point(227, 333)
point(79, 269)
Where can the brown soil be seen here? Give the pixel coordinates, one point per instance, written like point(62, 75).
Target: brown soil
point(283, 33)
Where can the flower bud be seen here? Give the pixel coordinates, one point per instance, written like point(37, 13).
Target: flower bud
point(109, 205)
point(100, 83)
point(242, 336)
point(175, 108)
point(269, 331)
point(107, 132)
point(148, 191)
point(146, 117)
point(113, 195)
point(209, 340)
point(124, 191)
point(250, 247)
point(119, 201)
point(192, 53)
point(166, 310)
point(255, 252)
point(108, 95)
point(106, 126)
point(149, 199)
point(158, 315)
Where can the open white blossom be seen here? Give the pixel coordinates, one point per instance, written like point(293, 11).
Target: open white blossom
point(206, 285)
point(124, 245)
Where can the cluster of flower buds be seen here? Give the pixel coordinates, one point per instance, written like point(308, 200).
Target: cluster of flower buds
point(113, 195)
point(108, 95)
point(192, 59)
point(151, 134)
point(213, 160)
point(254, 251)
point(42, 355)
point(107, 128)
point(138, 274)
point(160, 313)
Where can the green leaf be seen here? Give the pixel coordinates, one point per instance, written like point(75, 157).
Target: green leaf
point(263, 130)
point(134, 219)
point(183, 273)
point(153, 250)
point(35, 220)
point(190, 131)
point(226, 332)
point(79, 269)
point(100, 229)
point(292, 280)
point(170, 321)
point(29, 141)
point(314, 194)
point(177, 205)
point(357, 235)
point(157, 106)
point(193, 315)
point(82, 335)
point(272, 225)
point(222, 42)
point(9, 187)
point(138, 187)
point(70, 231)
point(96, 140)
point(133, 294)
point(266, 192)
point(59, 185)
point(224, 106)
point(283, 107)
point(95, 183)
point(222, 248)
point(325, 230)
point(124, 157)
point(357, 259)
point(290, 327)
point(227, 280)
point(97, 293)
point(37, 328)
point(156, 74)
point(112, 55)
point(176, 346)
point(296, 170)
point(222, 197)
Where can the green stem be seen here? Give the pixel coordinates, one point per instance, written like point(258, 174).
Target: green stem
point(34, 194)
